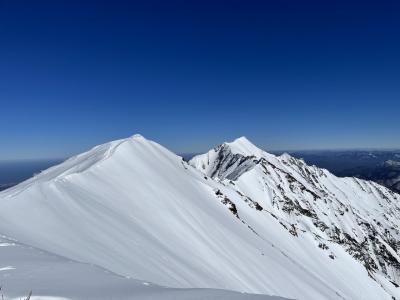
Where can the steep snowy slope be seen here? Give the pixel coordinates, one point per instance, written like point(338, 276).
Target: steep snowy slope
point(330, 213)
point(266, 224)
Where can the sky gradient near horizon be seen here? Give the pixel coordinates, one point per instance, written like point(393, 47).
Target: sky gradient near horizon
point(191, 74)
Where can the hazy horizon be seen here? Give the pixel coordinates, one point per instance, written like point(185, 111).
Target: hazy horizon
point(273, 151)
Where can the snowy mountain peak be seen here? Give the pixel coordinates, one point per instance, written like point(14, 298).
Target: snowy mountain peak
point(244, 147)
point(307, 200)
point(107, 155)
point(230, 159)
point(241, 141)
point(285, 156)
point(138, 136)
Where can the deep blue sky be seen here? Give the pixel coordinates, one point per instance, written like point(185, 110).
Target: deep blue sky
point(191, 74)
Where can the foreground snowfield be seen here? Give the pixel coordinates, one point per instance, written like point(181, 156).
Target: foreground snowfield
point(52, 277)
point(236, 218)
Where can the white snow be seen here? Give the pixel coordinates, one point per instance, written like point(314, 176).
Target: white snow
point(52, 277)
point(44, 298)
point(137, 210)
point(7, 268)
point(6, 244)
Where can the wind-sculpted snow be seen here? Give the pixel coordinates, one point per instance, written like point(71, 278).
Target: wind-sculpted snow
point(242, 220)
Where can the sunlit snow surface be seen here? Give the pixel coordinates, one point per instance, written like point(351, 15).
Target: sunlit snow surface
point(137, 210)
point(52, 277)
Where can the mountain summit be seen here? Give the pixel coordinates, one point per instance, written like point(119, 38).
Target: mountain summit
point(243, 146)
point(234, 218)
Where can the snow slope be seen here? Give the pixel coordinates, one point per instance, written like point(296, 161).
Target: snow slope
point(240, 219)
point(333, 214)
point(52, 277)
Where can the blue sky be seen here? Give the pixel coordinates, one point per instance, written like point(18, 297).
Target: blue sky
point(191, 74)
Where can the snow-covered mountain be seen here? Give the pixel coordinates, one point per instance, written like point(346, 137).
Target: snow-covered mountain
point(235, 218)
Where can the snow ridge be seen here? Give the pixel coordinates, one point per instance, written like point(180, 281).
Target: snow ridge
point(358, 215)
point(234, 218)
